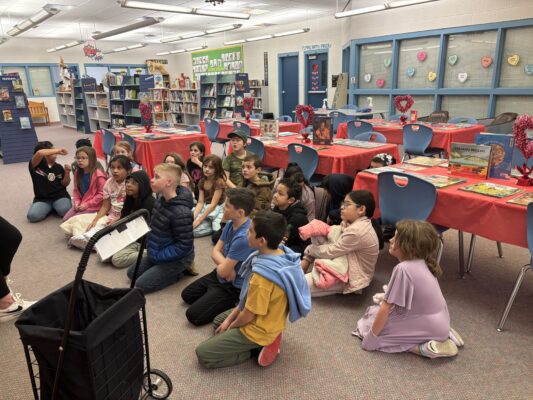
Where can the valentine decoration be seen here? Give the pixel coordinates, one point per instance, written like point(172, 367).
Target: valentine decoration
point(92, 52)
point(309, 110)
point(411, 72)
point(452, 59)
point(523, 123)
point(462, 77)
point(248, 104)
point(380, 83)
point(314, 77)
point(146, 113)
point(387, 62)
point(367, 78)
point(403, 104)
point(432, 76)
point(422, 55)
point(486, 61)
point(528, 69)
point(514, 60)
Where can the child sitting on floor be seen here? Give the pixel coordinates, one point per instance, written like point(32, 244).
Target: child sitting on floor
point(413, 315)
point(260, 183)
point(274, 287)
point(186, 180)
point(195, 164)
point(233, 163)
point(123, 148)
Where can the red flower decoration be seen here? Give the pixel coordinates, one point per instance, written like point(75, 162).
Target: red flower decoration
point(309, 110)
point(523, 123)
point(248, 104)
point(403, 103)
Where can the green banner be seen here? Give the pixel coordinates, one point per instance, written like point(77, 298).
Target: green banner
point(227, 60)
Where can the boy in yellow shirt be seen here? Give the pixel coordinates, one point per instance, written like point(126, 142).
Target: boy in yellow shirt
point(274, 287)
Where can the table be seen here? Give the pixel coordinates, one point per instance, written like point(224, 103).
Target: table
point(149, 153)
point(351, 112)
point(226, 126)
point(443, 134)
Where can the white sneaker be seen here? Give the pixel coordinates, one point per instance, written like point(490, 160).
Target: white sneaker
point(15, 309)
point(78, 241)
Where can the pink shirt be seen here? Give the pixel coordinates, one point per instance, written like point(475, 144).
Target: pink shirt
point(117, 194)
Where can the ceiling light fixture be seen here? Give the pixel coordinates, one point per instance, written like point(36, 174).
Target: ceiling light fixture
point(143, 5)
point(47, 12)
point(148, 21)
point(166, 53)
point(264, 37)
point(215, 2)
point(177, 38)
point(380, 7)
point(131, 47)
point(65, 46)
point(3, 40)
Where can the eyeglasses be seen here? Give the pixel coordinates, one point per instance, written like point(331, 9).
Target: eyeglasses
point(81, 158)
point(346, 204)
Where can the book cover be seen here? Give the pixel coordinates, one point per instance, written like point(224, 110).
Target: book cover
point(501, 155)
point(17, 85)
point(442, 181)
point(322, 130)
point(469, 159)
point(426, 161)
point(377, 171)
point(269, 128)
point(25, 123)
point(19, 102)
point(4, 93)
point(412, 167)
point(363, 144)
point(491, 189)
point(522, 200)
point(158, 81)
point(8, 117)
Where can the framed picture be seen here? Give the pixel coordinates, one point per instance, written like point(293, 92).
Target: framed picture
point(322, 130)
point(19, 102)
point(4, 93)
point(17, 85)
point(8, 117)
point(25, 123)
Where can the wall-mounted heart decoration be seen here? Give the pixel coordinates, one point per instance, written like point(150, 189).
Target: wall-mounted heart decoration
point(367, 77)
point(380, 83)
point(452, 59)
point(514, 60)
point(432, 76)
point(528, 69)
point(411, 72)
point(462, 77)
point(422, 55)
point(387, 62)
point(486, 61)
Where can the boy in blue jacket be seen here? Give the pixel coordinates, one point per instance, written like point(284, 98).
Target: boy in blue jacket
point(170, 243)
point(274, 287)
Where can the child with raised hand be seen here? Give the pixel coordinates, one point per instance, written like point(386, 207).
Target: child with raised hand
point(274, 288)
point(195, 163)
point(413, 315)
point(286, 200)
point(170, 243)
point(123, 148)
point(208, 211)
point(257, 181)
point(233, 162)
point(89, 181)
point(50, 181)
point(186, 180)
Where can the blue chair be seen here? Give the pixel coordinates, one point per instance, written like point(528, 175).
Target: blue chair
point(108, 143)
point(256, 116)
point(130, 140)
point(338, 118)
point(241, 126)
point(416, 140)
point(371, 137)
point(524, 269)
point(462, 120)
point(306, 157)
point(356, 127)
point(212, 128)
point(193, 128)
point(285, 118)
point(396, 117)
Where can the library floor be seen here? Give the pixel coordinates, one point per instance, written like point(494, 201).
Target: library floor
point(319, 358)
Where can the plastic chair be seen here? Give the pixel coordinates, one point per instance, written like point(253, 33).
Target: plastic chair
point(256, 116)
point(371, 137)
point(524, 269)
point(306, 157)
point(416, 140)
point(108, 143)
point(285, 118)
point(396, 117)
point(212, 128)
point(256, 146)
point(193, 128)
point(462, 120)
point(241, 126)
point(338, 117)
point(130, 140)
point(356, 127)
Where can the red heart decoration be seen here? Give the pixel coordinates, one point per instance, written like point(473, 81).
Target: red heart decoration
point(486, 61)
point(380, 83)
point(403, 103)
point(300, 110)
point(523, 123)
point(422, 55)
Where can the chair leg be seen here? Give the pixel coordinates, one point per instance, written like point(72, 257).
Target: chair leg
point(441, 249)
point(517, 284)
point(471, 253)
point(461, 255)
point(500, 250)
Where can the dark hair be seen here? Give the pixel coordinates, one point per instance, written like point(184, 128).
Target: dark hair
point(200, 146)
point(179, 161)
point(42, 145)
point(93, 165)
point(124, 162)
point(241, 199)
point(365, 198)
point(293, 188)
point(271, 226)
point(217, 165)
point(255, 159)
point(384, 158)
point(83, 143)
point(295, 171)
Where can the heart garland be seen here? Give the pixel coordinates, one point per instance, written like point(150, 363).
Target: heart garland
point(403, 103)
point(523, 123)
point(309, 110)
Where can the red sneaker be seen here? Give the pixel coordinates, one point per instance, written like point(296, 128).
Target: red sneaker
point(268, 354)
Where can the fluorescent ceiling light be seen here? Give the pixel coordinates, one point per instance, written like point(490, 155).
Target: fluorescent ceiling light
point(177, 38)
point(65, 46)
point(47, 12)
point(192, 35)
point(295, 32)
point(128, 28)
point(3, 40)
point(166, 53)
point(380, 7)
point(223, 29)
point(404, 3)
point(259, 38)
point(196, 48)
point(144, 5)
point(131, 47)
point(275, 35)
point(235, 42)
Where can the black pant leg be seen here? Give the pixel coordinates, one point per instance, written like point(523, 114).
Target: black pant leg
point(199, 287)
point(218, 298)
point(10, 238)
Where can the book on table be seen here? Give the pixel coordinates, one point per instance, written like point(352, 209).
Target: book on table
point(522, 200)
point(363, 144)
point(469, 159)
point(323, 130)
point(377, 171)
point(441, 181)
point(426, 161)
point(269, 128)
point(491, 189)
point(411, 167)
point(501, 155)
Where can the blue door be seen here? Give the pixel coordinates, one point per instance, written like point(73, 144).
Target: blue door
point(316, 78)
point(289, 84)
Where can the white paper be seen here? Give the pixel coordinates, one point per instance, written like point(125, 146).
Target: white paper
point(115, 241)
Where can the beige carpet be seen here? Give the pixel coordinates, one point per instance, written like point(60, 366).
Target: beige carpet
point(319, 359)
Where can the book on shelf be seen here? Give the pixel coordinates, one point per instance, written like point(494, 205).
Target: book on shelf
point(130, 94)
point(227, 101)
point(269, 128)
point(426, 161)
point(20, 102)
point(4, 93)
point(258, 103)
point(469, 159)
point(253, 93)
point(239, 101)
point(501, 157)
point(159, 82)
point(523, 200)
point(228, 114)
point(240, 85)
point(323, 130)
point(491, 189)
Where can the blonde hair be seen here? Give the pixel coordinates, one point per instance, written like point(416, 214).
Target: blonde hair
point(173, 171)
point(126, 146)
point(419, 239)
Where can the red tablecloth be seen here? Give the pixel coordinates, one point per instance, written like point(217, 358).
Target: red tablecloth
point(443, 136)
point(227, 127)
point(486, 216)
point(149, 153)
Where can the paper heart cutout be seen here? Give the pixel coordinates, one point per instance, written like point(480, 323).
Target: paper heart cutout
point(432, 76)
point(462, 76)
point(528, 69)
point(486, 61)
point(514, 60)
point(452, 59)
point(422, 55)
point(367, 77)
point(380, 83)
point(387, 62)
point(411, 72)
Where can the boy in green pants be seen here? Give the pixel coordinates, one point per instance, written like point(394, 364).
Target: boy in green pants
point(274, 287)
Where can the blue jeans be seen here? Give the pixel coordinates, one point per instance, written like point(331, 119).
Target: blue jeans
point(152, 277)
point(41, 209)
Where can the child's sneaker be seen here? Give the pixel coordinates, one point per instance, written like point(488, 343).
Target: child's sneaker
point(15, 309)
point(434, 349)
point(269, 353)
point(192, 270)
point(456, 338)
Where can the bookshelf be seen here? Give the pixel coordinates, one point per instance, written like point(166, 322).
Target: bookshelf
point(208, 98)
point(124, 99)
point(98, 110)
point(183, 106)
point(221, 96)
point(160, 100)
point(260, 94)
point(225, 96)
point(82, 86)
point(65, 108)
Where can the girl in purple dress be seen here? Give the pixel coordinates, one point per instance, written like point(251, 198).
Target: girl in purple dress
point(413, 315)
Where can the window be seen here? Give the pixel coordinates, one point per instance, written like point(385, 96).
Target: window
point(378, 102)
point(376, 66)
point(517, 56)
point(517, 104)
point(418, 59)
point(41, 81)
point(466, 106)
point(22, 74)
point(423, 105)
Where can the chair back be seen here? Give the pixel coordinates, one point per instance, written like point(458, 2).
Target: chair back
point(241, 126)
point(462, 120)
point(404, 196)
point(416, 138)
point(285, 118)
point(108, 142)
point(338, 117)
point(396, 117)
point(350, 107)
point(256, 116)
point(306, 157)
point(130, 140)
point(194, 128)
point(211, 128)
point(356, 127)
point(256, 146)
point(371, 137)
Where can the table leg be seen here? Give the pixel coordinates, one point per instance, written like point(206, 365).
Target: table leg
point(461, 256)
point(471, 253)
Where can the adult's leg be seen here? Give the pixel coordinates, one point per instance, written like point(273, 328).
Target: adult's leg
point(319, 292)
point(39, 211)
point(159, 276)
point(62, 206)
point(218, 298)
point(10, 238)
point(199, 287)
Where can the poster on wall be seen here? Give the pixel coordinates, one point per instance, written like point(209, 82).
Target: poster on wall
point(228, 60)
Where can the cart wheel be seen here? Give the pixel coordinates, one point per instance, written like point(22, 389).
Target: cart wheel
point(161, 384)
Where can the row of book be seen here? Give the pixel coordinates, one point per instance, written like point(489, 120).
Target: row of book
point(209, 114)
point(228, 101)
point(226, 88)
point(209, 91)
point(183, 96)
point(256, 83)
point(114, 95)
point(130, 94)
point(159, 95)
point(209, 103)
point(225, 113)
point(117, 109)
